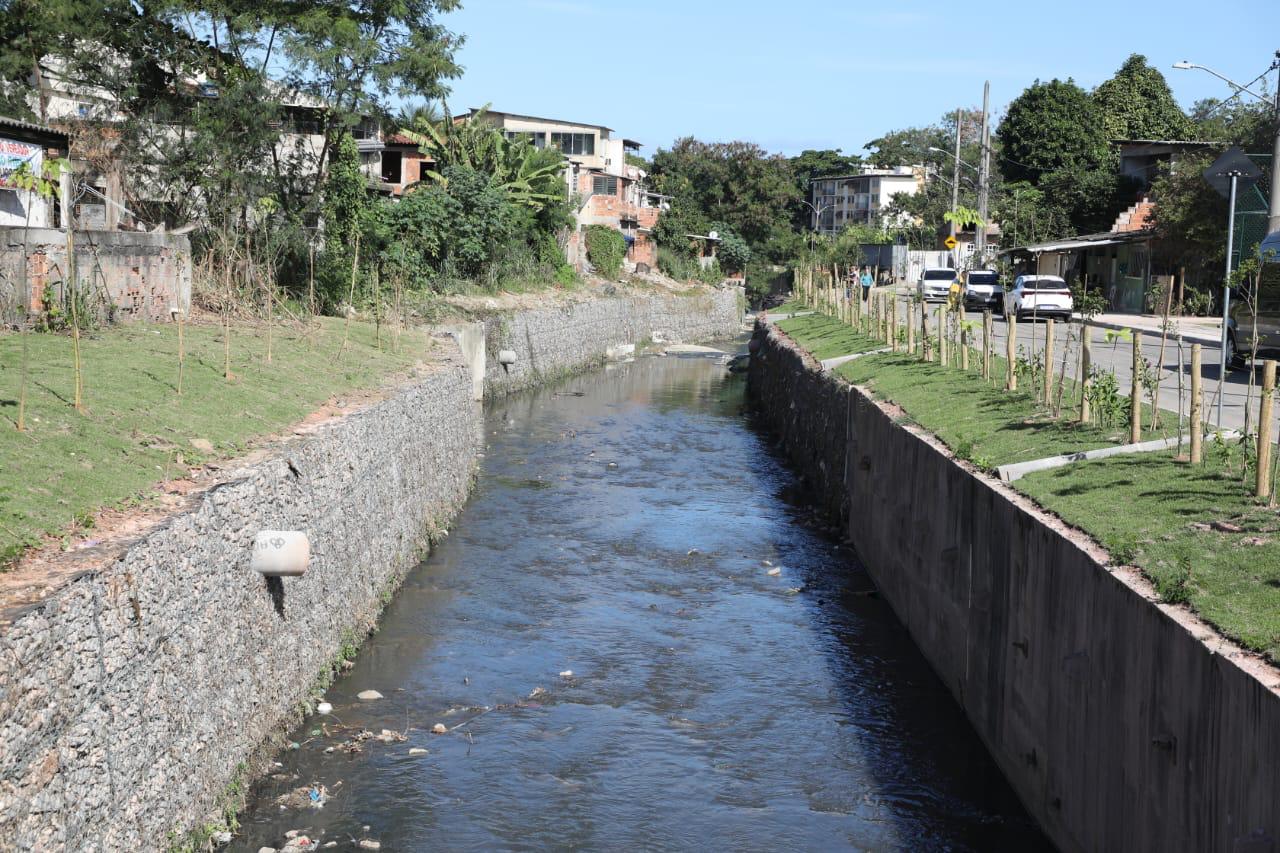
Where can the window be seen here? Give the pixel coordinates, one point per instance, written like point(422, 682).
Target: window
point(604, 185)
point(582, 144)
point(538, 138)
point(391, 167)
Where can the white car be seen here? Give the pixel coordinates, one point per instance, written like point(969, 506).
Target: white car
point(982, 290)
point(1043, 296)
point(935, 283)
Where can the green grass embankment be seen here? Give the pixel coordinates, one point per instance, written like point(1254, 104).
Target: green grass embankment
point(1196, 532)
point(136, 431)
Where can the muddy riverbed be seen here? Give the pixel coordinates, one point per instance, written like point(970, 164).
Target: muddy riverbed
point(636, 639)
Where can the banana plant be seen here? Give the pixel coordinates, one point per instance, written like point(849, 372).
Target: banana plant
point(530, 176)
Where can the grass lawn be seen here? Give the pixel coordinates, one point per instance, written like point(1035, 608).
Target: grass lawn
point(978, 420)
point(824, 337)
point(135, 428)
point(791, 306)
point(1153, 511)
point(1148, 510)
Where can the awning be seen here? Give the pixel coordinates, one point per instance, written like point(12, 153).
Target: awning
point(1070, 245)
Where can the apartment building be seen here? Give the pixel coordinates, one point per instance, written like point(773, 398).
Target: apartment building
point(845, 200)
point(605, 188)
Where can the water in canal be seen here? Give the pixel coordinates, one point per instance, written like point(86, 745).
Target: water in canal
point(624, 528)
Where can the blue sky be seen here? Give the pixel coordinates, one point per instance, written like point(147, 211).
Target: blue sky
point(796, 74)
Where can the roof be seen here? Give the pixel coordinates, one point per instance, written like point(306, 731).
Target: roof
point(1195, 142)
point(32, 132)
point(871, 173)
point(491, 112)
point(1086, 241)
point(631, 143)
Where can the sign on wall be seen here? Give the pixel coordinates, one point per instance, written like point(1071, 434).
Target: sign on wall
point(14, 153)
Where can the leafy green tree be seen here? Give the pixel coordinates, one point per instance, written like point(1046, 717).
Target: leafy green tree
point(1136, 104)
point(1191, 216)
point(737, 183)
point(1052, 127)
point(734, 253)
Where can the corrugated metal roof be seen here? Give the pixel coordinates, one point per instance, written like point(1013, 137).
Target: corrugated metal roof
point(17, 124)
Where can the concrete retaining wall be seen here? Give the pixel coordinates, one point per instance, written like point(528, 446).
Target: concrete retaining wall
point(555, 341)
point(1122, 723)
point(128, 275)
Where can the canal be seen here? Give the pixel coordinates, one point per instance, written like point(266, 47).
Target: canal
point(636, 637)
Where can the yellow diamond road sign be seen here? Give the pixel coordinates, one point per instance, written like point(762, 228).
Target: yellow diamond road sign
point(950, 242)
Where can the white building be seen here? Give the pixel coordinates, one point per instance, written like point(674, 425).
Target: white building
point(858, 199)
point(25, 148)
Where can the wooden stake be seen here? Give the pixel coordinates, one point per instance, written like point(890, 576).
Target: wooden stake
point(926, 353)
point(1197, 427)
point(1048, 362)
point(70, 290)
point(1086, 369)
point(351, 298)
point(1135, 391)
point(964, 341)
point(1265, 411)
point(1010, 351)
point(911, 331)
point(942, 335)
point(987, 328)
point(893, 322)
point(181, 349)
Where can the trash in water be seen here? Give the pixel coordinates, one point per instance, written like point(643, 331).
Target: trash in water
point(691, 552)
point(417, 750)
point(295, 745)
point(324, 708)
point(308, 796)
point(774, 572)
point(388, 736)
point(767, 562)
point(368, 695)
point(568, 673)
point(439, 729)
point(536, 692)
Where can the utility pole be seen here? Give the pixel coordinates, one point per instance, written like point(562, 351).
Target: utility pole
point(984, 173)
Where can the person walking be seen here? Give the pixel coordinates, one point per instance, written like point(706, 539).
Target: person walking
point(867, 282)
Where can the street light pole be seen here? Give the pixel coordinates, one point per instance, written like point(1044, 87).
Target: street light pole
point(1226, 297)
point(1273, 216)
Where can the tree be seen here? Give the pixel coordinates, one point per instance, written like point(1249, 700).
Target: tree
point(737, 183)
point(1136, 104)
point(1052, 127)
point(1191, 217)
point(1052, 138)
point(908, 146)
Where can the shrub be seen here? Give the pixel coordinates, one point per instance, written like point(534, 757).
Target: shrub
point(605, 249)
point(734, 252)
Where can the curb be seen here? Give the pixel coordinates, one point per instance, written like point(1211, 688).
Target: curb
point(1189, 337)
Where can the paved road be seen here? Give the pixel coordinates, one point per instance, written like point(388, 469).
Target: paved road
point(1118, 355)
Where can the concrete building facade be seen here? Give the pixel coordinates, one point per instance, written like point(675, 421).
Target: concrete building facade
point(844, 200)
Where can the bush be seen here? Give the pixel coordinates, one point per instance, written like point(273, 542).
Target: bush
point(605, 249)
point(676, 265)
point(734, 252)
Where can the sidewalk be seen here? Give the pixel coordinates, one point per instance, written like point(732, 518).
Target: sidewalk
point(1195, 330)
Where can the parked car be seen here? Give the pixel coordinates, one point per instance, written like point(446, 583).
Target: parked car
point(1043, 296)
point(1242, 321)
point(935, 283)
point(982, 290)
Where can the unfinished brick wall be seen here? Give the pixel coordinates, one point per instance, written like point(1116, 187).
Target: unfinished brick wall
point(129, 276)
